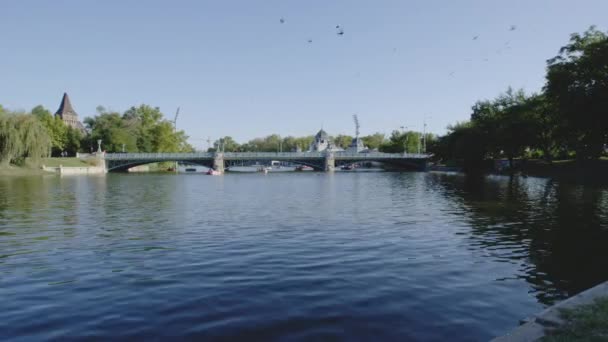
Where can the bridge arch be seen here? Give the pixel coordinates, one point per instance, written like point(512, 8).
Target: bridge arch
point(123, 166)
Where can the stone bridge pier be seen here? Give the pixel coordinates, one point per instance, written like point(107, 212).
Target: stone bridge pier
point(330, 162)
point(218, 162)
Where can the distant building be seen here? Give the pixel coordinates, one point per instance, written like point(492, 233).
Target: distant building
point(323, 142)
point(68, 114)
point(357, 146)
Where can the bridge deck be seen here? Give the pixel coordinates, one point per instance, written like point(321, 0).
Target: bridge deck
point(377, 156)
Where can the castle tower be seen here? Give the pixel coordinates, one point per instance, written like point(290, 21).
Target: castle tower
point(68, 114)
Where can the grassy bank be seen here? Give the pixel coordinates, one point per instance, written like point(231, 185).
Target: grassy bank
point(66, 162)
point(585, 323)
point(34, 168)
point(12, 170)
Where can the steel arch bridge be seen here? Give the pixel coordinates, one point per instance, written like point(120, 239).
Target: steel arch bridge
point(325, 161)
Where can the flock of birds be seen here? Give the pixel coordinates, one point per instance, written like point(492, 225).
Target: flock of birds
point(339, 30)
point(507, 45)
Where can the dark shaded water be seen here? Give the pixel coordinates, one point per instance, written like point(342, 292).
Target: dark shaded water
point(373, 256)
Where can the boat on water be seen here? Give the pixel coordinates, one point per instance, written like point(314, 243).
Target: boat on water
point(303, 168)
point(213, 172)
point(266, 169)
point(348, 167)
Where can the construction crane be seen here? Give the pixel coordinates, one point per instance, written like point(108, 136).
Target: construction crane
point(175, 131)
point(356, 119)
point(175, 120)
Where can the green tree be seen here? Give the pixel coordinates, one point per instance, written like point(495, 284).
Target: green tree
point(21, 136)
point(343, 141)
point(374, 141)
point(577, 84)
point(139, 129)
point(400, 142)
point(463, 144)
point(144, 120)
point(113, 131)
point(55, 127)
point(73, 141)
point(507, 123)
point(226, 144)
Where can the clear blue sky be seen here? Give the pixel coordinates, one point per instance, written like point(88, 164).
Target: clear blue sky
point(236, 70)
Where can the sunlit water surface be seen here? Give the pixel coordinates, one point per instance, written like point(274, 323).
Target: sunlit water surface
point(353, 256)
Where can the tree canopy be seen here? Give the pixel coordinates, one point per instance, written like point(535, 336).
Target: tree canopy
point(21, 136)
point(139, 129)
point(569, 117)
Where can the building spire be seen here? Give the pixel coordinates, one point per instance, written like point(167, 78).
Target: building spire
point(65, 107)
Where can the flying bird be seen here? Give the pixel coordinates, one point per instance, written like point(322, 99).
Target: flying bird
point(452, 74)
point(282, 21)
point(475, 38)
point(512, 28)
point(310, 41)
point(340, 31)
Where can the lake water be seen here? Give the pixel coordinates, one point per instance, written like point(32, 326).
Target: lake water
point(284, 256)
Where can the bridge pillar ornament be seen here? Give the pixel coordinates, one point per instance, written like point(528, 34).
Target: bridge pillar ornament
point(330, 162)
point(218, 162)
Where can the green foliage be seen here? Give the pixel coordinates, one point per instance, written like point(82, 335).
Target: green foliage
point(584, 323)
point(569, 116)
point(55, 127)
point(226, 144)
point(373, 141)
point(274, 143)
point(399, 142)
point(139, 129)
point(73, 141)
point(577, 83)
point(21, 136)
point(343, 141)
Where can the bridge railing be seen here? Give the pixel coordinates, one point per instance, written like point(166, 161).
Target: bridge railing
point(263, 155)
point(274, 155)
point(379, 155)
point(135, 156)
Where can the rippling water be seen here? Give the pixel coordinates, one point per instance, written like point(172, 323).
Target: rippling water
point(353, 256)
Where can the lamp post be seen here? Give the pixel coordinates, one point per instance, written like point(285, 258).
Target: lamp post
point(424, 133)
point(403, 128)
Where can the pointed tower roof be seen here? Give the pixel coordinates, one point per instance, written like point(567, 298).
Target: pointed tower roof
point(65, 107)
point(322, 134)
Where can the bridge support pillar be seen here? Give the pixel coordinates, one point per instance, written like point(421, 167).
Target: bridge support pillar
point(330, 162)
point(218, 162)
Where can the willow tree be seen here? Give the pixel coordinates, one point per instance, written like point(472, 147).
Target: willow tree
point(21, 136)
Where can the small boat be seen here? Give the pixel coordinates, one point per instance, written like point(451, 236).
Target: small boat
point(213, 172)
point(303, 168)
point(347, 167)
point(264, 169)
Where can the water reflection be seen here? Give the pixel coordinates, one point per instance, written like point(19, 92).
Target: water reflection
point(556, 232)
point(392, 256)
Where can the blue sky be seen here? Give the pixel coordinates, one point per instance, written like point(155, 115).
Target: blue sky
point(236, 70)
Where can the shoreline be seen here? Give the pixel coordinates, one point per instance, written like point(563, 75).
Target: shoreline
point(545, 322)
point(22, 171)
